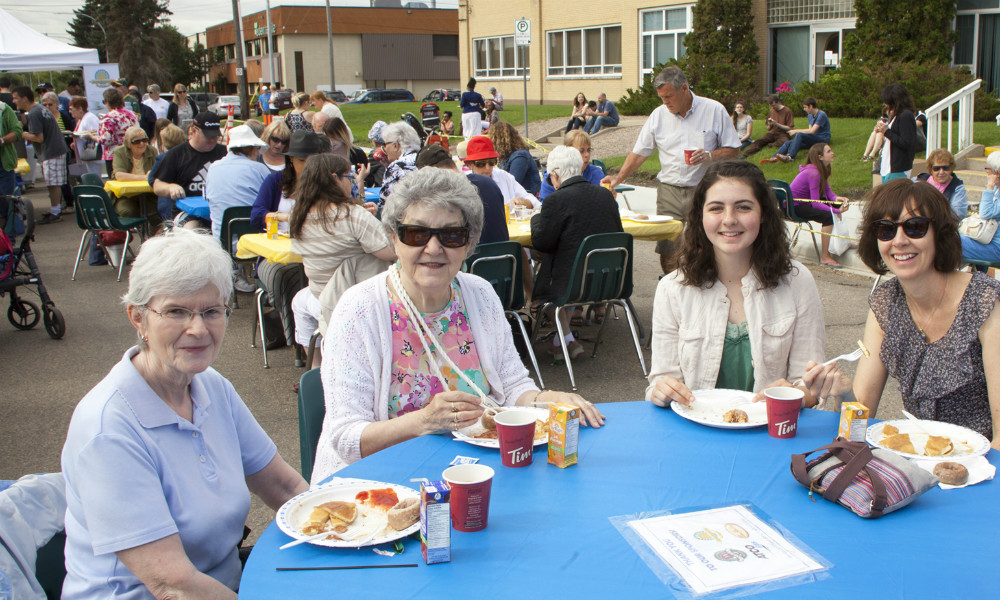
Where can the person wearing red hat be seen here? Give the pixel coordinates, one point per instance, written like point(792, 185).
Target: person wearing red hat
point(481, 158)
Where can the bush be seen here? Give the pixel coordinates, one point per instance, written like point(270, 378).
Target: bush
point(644, 100)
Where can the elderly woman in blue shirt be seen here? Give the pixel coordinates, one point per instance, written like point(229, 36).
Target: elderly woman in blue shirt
point(162, 455)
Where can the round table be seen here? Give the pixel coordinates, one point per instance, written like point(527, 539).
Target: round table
point(549, 534)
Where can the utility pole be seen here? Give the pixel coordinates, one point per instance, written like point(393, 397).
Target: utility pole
point(270, 46)
point(241, 70)
point(329, 38)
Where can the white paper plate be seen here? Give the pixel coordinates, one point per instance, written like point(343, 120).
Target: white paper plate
point(710, 406)
point(295, 512)
point(966, 441)
point(468, 434)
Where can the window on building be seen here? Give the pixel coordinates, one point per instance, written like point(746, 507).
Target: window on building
point(965, 27)
point(445, 45)
point(663, 31)
point(497, 57)
point(592, 51)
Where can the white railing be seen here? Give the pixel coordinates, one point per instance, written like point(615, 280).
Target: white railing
point(965, 98)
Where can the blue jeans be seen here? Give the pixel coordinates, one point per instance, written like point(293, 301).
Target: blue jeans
point(8, 181)
point(973, 249)
point(595, 123)
point(800, 141)
point(165, 207)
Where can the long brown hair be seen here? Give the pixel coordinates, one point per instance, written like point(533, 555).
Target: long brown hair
point(576, 104)
point(770, 259)
point(506, 139)
point(317, 190)
point(815, 158)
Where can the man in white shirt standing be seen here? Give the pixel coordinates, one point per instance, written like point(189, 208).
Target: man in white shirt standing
point(689, 132)
point(159, 105)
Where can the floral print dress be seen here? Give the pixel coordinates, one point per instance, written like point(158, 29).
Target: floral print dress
point(414, 380)
point(111, 131)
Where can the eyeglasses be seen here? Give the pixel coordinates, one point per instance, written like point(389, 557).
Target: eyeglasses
point(141, 141)
point(914, 228)
point(277, 140)
point(418, 235)
point(480, 164)
point(347, 176)
point(179, 314)
point(49, 104)
point(937, 168)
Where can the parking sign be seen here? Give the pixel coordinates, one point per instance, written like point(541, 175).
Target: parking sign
point(522, 32)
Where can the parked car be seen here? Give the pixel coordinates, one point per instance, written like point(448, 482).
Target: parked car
point(203, 99)
point(435, 96)
point(337, 96)
point(282, 99)
point(221, 106)
point(377, 96)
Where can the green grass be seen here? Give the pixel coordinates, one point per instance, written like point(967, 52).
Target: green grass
point(851, 177)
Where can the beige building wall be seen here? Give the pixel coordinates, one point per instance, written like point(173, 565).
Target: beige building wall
point(315, 51)
point(478, 19)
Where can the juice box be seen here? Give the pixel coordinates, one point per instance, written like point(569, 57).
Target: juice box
point(853, 421)
point(564, 431)
point(435, 522)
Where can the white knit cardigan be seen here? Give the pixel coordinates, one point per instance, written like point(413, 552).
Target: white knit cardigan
point(357, 363)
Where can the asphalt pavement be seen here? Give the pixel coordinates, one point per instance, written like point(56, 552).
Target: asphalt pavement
point(42, 379)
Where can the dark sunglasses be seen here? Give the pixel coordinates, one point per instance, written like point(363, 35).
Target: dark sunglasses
point(418, 235)
point(936, 168)
point(141, 141)
point(278, 140)
point(481, 164)
point(914, 228)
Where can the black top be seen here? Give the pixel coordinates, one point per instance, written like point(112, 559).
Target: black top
point(494, 218)
point(569, 214)
point(188, 168)
point(903, 136)
point(173, 108)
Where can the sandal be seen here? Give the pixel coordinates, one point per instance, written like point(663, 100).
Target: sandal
point(577, 321)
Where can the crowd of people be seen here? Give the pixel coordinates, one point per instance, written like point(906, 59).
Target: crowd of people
point(423, 347)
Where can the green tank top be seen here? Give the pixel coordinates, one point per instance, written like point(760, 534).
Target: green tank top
point(736, 368)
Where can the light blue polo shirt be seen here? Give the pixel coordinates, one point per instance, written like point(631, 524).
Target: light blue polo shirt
point(137, 472)
point(233, 180)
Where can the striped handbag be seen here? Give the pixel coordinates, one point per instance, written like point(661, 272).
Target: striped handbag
point(869, 483)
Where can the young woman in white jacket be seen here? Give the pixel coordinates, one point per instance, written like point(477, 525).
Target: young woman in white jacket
point(737, 312)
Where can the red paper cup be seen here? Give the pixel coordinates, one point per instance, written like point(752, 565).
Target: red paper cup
point(688, 154)
point(783, 406)
point(470, 495)
point(516, 430)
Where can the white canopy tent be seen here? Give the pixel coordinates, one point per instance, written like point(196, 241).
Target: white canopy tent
point(24, 49)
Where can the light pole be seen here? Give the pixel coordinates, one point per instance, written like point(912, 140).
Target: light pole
point(98, 23)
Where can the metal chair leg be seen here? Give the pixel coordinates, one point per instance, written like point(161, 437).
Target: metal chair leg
point(312, 348)
point(565, 350)
point(256, 317)
point(819, 257)
point(530, 346)
point(635, 338)
point(260, 323)
point(79, 253)
point(121, 263)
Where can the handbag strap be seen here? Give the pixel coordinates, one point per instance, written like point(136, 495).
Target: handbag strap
point(858, 463)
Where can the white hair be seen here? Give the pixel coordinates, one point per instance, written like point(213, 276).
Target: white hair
point(993, 161)
point(565, 161)
point(436, 189)
point(179, 262)
point(402, 132)
point(49, 96)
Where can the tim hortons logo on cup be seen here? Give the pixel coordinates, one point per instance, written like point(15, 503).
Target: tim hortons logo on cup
point(784, 427)
point(519, 455)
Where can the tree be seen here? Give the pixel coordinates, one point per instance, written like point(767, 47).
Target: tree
point(184, 64)
point(918, 32)
point(722, 53)
point(132, 37)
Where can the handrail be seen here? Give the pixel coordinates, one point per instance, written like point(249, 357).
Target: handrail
point(965, 98)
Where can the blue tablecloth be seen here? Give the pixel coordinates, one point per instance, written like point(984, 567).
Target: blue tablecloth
point(194, 205)
point(549, 534)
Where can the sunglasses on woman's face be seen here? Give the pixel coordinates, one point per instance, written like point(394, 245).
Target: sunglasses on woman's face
point(278, 140)
point(482, 164)
point(141, 141)
point(418, 235)
point(937, 168)
point(914, 228)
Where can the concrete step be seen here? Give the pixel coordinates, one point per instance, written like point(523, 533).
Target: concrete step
point(990, 149)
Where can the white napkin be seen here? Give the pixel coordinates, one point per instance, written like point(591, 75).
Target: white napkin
point(979, 468)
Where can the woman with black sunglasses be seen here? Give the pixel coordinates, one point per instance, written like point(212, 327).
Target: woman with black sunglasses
point(420, 347)
point(933, 328)
point(941, 174)
point(339, 239)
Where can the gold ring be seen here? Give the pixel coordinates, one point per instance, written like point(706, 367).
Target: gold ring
point(454, 408)
point(456, 419)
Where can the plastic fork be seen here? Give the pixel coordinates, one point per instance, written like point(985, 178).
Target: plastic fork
point(352, 529)
point(851, 356)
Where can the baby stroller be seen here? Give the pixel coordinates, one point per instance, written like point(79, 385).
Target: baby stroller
point(428, 134)
point(430, 116)
point(18, 268)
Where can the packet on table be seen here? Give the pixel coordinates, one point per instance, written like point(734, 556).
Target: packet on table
point(564, 432)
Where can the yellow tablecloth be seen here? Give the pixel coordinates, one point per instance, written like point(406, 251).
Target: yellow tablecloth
point(22, 167)
point(520, 231)
point(124, 189)
point(257, 244)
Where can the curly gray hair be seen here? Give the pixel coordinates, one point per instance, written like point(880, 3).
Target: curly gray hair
point(401, 132)
point(565, 161)
point(435, 189)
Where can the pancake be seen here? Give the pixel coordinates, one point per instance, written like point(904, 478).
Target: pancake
point(899, 442)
